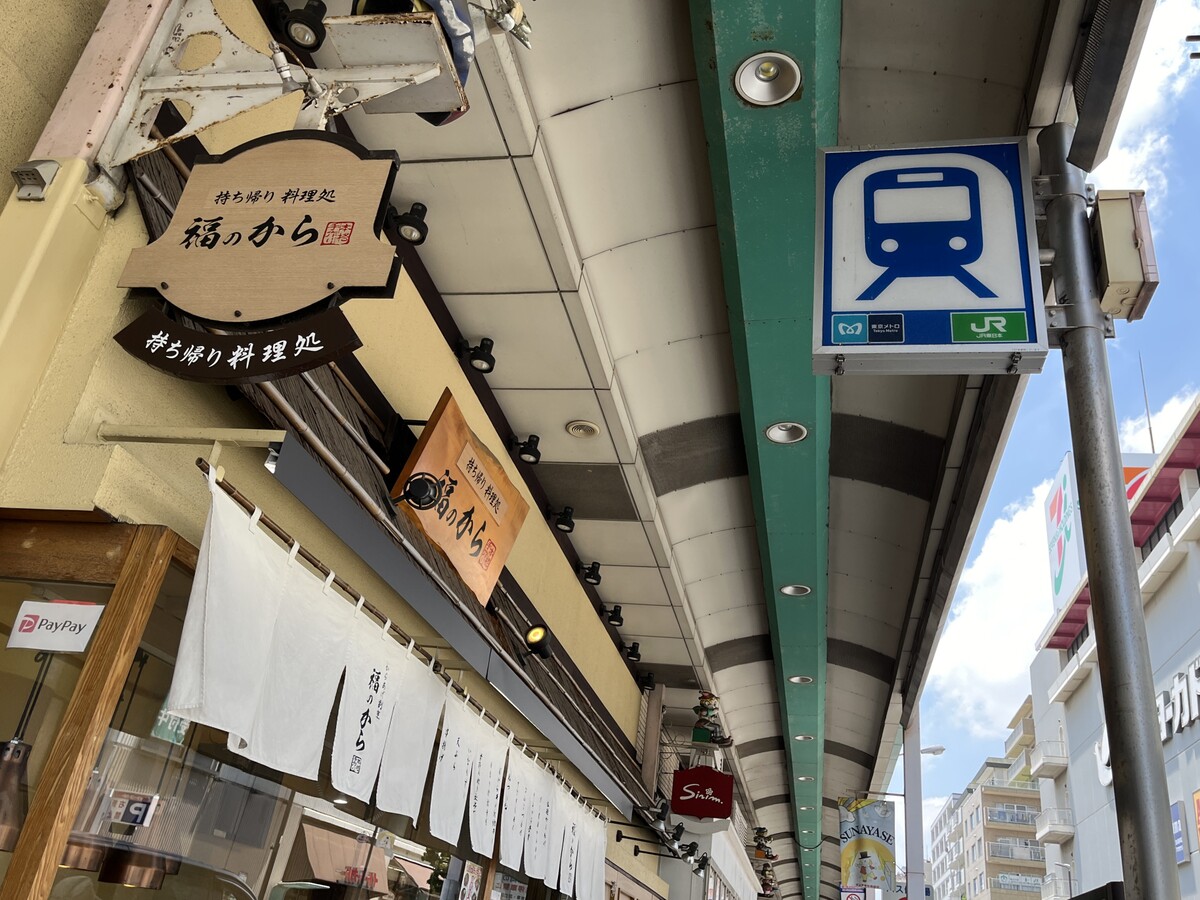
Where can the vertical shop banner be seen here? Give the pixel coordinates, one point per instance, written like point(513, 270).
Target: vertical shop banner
point(452, 769)
point(868, 842)
point(542, 791)
point(461, 497)
point(1179, 830)
point(405, 767)
point(487, 778)
point(514, 818)
point(375, 666)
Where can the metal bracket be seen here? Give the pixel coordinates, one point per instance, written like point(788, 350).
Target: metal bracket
point(235, 77)
point(33, 177)
point(1047, 188)
point(1061, 318)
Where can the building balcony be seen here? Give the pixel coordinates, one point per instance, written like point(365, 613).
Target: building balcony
point(1049, 759)
point(999, 816)
point(1074, 672)
point(1019, 770)
point(1033, 853)
point(1014, 885)
point(1055, 826)
point(1055, 887)
point(1011, 784)
point(1021, 736)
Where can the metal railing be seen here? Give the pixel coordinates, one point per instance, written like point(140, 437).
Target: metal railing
point(1048, 818)
point(1016, 784)
point(1023, 731)
point(1047, 750)
point(1033, 851)
point(1011, 816)
point(1001, 886)
point(1055, 887)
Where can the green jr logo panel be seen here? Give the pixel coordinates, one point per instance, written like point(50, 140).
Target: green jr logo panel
point(989, 327)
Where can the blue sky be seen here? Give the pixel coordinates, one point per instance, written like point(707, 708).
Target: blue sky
point(980, 670)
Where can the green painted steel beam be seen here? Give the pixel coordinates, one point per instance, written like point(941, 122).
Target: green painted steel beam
point(763, 164)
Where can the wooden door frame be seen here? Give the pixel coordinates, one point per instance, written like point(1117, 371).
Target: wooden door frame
point(134, 559)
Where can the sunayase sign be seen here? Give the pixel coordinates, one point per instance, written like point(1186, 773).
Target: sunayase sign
point(58, 626)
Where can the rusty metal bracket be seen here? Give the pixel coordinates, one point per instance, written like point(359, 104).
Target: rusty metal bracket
point(367, 57)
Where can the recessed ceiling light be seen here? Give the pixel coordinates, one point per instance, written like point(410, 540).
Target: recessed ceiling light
point(804, 808)
point(582, 428)
point(801, 679)
point(786, 433)
point(795, 590)
point(804, 737)
point(767, 79)
point(341, 801)
point(804, 778)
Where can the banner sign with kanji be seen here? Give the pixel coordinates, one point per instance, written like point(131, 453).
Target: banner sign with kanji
point(702, 792)
point(264, 243)
point(460, 495)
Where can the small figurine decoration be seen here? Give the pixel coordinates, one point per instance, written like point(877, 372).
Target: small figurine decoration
point(707, 728)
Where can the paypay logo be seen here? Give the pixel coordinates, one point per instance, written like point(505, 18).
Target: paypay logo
point(28, 624)
point(31, 623)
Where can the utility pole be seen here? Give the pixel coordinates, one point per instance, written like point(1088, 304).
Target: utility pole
point(914, 828)
point(1122, 652)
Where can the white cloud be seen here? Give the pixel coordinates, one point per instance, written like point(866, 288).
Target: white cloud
point(1135, 436)
point(1138, 158)
point(930, 807)
point(980, 672)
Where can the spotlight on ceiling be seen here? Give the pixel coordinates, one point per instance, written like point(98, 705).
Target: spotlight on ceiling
point(412, 225)
point(480, 357)
point(527, 450)
point(565, 520)
point(303, 28)
point(677, 833)
point(591, 574)
point(614, 617)
point(537, 640)
point(646, 682)
point(786, 433)
point(768, 79)
point(660, 816)
point(801, 679)
point(633, 652)
point(701, 865)
point(795, 590)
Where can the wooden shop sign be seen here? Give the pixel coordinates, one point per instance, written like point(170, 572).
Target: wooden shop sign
point(272, 232)
point(459, 494)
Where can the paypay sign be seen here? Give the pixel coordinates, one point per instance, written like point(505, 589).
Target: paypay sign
point(927, 261)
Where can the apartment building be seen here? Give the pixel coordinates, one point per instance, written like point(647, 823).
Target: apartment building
point(1078, 822)
point(984, 843)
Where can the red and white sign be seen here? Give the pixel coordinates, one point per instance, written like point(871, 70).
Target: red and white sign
point(62, 626)
point(702, 792)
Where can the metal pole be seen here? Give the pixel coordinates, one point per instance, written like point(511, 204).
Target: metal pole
point(1123, 655)
point(914, 829)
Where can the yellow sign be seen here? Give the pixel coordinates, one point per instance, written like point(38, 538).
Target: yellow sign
point(868, 841)
point(460, 495)
point(273, 227)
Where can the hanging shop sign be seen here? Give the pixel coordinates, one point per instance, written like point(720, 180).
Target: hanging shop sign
point(868, 843)
point(702, 792)
point(459, 494)
point(1179, 832)
point(274, 231)
point(60, 626)
point(927, 261)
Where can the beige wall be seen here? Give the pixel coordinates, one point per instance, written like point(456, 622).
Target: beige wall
point(39, 44)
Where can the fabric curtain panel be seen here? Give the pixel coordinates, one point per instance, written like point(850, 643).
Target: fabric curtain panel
point(222, 660)
point(514, 819)
point(305, 664)
point(542, 789)
point(405, 767)
point(452, 769)
point(375, 669)
point(570, 850)
point(487, 778)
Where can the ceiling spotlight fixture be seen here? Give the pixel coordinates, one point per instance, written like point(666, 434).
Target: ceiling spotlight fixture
point(786, 433)
point(804, 737)
point(795, 590)
point(582, 428)
point(303, 27)
point(804, 807)
point(480, 357)
point(660, 816)
point(614, 617)
point(565, 520)
point(527, 450)
point(677, 833)
point(633, 652)
point(804, 778)
point(341, 801)
point(806, 831)
point(412, 225)
point(537, 640)
point(801, 679)
point(768, 79)
point(646, 682)
point(591, 574)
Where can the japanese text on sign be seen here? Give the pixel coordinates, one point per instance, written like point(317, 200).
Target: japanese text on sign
point(291, 195)
point(481, 482)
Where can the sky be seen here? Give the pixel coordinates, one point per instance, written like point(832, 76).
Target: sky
point(980, 670)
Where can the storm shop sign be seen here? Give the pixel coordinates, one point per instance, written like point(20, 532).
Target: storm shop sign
point(253, 266)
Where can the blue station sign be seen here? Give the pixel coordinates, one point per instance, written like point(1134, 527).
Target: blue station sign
point(927, 261)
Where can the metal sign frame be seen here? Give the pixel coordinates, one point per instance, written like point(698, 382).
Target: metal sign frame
point(881, 340)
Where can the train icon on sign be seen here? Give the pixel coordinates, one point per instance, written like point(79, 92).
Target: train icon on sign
point(922, 222)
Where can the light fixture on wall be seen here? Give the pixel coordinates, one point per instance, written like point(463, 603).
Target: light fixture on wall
point(701, 865)
point(591, 573)
point(646, 682)
point(480, 356)
point(538, 640)
point(412, 225)
point(768, 79)
point(565, 520)
point(527, 450)
point(633, 652)
point(614, 617)
point(303, 27)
